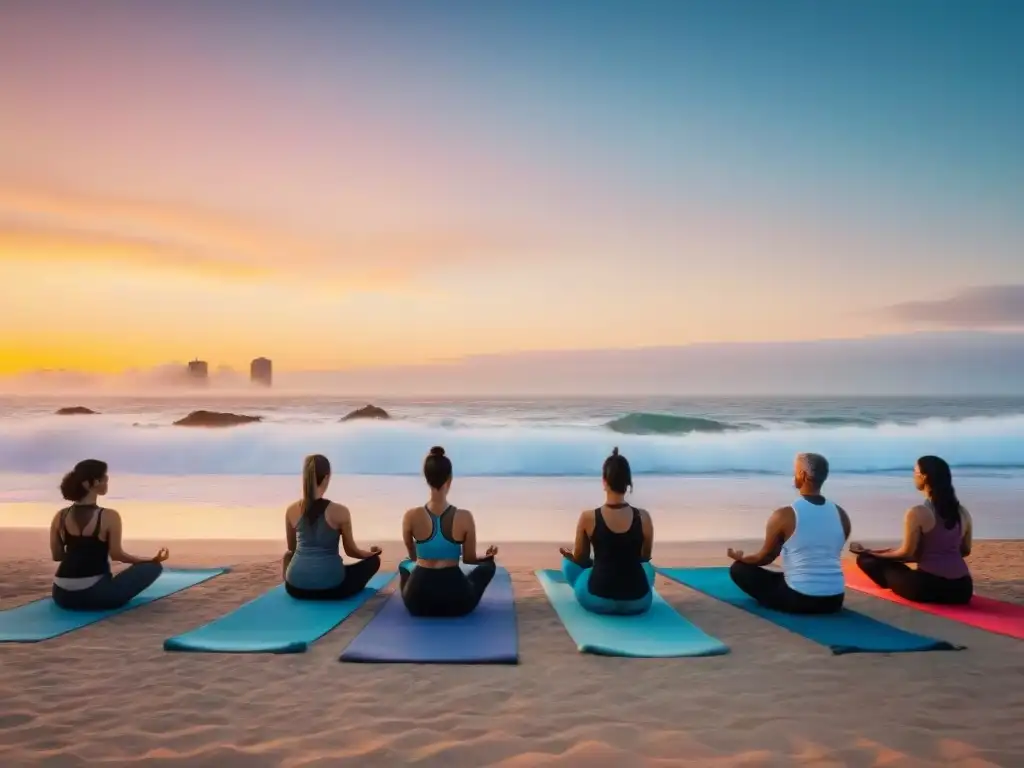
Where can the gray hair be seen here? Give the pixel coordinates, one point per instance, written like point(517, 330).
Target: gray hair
point(815, 466)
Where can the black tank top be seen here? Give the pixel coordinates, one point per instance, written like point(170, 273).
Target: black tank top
point(618, 566)
point(84, 556)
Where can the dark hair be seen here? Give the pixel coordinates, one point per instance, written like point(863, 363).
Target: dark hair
point(939, 481)
point(616, 473)
point(437, 468)
point(314, 469)
point(72, 487)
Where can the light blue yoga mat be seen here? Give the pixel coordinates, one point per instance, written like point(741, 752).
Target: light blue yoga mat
point(843, 632)
point(274, 623)
point(43, 620)
point(488, 635)
point(660, 632)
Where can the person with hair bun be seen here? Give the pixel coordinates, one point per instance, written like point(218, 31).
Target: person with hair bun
point(937, 535)
point(314, 527)
point(84, 538)
point(619, 578)
point(437, 535)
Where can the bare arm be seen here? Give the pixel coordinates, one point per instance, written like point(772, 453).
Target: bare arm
point(906, 551)
point(774, 538)
point(648, 528)
point(289, 530)
point(845, 520)
point(469, 554)
point(56, 543)
point(343, 520)
point(580, 552)
point(967, 525)
point(407, 537)
point(114, 541)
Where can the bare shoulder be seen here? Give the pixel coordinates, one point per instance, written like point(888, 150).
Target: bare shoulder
point(339, 513)
point(784, 513)
point(644, 514)
point(465, 514)
point(111, 514)
point(966, 515)
point(412, 512)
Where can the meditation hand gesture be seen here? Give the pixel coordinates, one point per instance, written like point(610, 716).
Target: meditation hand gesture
point(492, 551)
point(565, 552)
point(856, 547)
point(735, 554)
point(375, 550)
point(161, 555)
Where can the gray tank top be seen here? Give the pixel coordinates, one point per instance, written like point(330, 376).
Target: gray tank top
point(317, 563)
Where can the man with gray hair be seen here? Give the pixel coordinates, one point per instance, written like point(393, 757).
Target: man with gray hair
point(810, 534)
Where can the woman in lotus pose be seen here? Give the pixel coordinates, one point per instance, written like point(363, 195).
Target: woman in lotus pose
point(436, 535)
point(84, 538)
point(936, 536)
point(314, 525)
point(619, 578)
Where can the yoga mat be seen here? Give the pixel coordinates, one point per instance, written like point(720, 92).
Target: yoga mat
point(659, 633)
point(982, 612)
point(486, 636)
point(843, 632)
point(43, 620)
point(274, 623)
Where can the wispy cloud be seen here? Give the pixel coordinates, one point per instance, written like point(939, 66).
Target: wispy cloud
point(86, 229)
point(993, 306)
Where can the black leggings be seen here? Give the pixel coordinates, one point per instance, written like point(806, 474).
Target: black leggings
point(445, 592)
point(357, 576)
point(110, 592)
point(914, 585)
point(770, 589)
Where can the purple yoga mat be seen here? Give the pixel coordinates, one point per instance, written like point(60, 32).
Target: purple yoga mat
point(486, 636)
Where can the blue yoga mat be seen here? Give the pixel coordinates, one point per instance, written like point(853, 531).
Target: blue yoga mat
point(486, 636)
point(43, 620)
point(843, 632)
point(659, 633)
point(274, 623)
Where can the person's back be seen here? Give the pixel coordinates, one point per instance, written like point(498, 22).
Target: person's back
point(811, 557)
point(940, 551)
point(86, 552)
point(618, 555)
point(317, 562)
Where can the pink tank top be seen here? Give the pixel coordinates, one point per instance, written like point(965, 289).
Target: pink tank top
point(939, 554)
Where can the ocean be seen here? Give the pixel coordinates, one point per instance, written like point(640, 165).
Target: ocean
point(708, 468)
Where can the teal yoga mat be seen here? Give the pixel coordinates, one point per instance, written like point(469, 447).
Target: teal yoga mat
point(659, 633)
point(274, 623)
point(843, 632)
point(43, 620)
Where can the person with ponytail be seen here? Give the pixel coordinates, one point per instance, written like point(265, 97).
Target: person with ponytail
point(936, 536)
point(314, 527)
point(84, 538)
point(619, 577)
point(437, 535)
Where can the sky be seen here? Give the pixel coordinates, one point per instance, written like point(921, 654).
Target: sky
point(342, 185)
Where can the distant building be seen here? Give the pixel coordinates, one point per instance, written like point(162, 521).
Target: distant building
point(261, 372)
point(199, 371)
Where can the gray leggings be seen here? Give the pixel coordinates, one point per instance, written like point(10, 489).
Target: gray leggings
point(110, 592)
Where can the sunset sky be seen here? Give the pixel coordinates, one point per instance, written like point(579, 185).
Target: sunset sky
point(346, 184)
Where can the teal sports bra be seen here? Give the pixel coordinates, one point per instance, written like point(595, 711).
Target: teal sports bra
point(438, 546)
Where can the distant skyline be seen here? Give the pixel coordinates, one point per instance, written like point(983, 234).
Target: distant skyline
point(341, 186)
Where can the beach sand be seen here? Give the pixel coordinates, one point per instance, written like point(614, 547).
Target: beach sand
point(109, 695)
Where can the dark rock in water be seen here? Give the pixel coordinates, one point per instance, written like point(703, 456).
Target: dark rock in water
point(367, 412)
point(215, 419)
point(77, 410)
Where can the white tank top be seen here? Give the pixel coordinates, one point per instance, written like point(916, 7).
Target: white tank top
point(811, 556)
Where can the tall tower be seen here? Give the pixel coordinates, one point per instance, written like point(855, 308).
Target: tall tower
point(261, 372)
point(199, 372)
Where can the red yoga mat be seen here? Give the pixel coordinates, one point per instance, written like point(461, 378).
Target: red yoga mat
point(982, 612)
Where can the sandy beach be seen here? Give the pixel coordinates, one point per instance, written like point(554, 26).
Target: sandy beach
point(109, 695)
